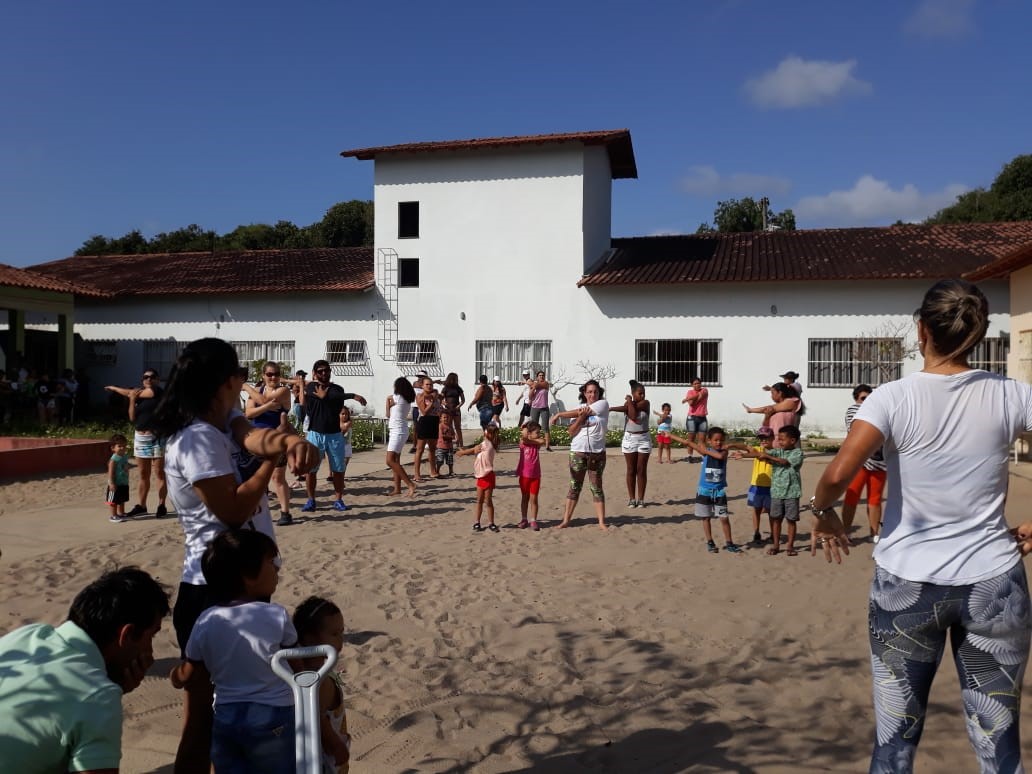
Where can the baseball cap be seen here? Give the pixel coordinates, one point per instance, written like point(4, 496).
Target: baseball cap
point(301, 372)
point(526, 373)
point(789, 375)
point(765, 432)
point(496, 379)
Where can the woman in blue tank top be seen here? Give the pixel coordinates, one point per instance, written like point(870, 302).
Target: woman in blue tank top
point(269, 406)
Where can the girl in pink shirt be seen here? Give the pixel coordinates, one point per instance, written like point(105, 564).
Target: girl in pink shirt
point(528, 470)
point(483, 469)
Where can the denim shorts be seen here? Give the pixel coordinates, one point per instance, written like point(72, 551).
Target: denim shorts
point(247, 737)
point(330, 445)
point(759, 497)
point(696, 424)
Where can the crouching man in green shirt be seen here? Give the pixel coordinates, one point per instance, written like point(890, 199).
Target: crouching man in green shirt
point(61, 688)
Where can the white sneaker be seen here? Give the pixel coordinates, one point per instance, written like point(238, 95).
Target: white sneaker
point(116, 519)
point(875, 539)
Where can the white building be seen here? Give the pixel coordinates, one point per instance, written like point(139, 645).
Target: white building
point(495, 255)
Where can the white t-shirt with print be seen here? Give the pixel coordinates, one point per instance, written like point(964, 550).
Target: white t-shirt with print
point(198, 452)
point(592, 435)
point(947, 439)
point(236, 644)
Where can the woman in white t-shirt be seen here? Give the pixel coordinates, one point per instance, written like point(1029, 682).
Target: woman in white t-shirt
point(587, 450)
point(946, 565)
point(217, 467)
point(399, 407)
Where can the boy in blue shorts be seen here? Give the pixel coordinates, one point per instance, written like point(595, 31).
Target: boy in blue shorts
point(786, 486)
point(759, 483)
point(711, 495)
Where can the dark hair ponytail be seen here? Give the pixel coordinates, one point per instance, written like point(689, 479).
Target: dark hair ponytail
point(956, 315)
point(201, 369)
point(404, 388)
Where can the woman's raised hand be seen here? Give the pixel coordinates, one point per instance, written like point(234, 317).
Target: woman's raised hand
point(830, 535)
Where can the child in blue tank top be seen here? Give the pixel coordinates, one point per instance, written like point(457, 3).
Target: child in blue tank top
point(711, 495)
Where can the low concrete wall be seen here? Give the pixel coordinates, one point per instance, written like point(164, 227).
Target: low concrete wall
point(21, 457)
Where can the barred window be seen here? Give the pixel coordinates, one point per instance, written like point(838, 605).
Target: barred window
point(249, 353)
point(849, 362)
point(414, 356)
point(677, 361)
point(101, 353)
point(160, 356)
point(348, 358)
point(990, 354)
point(508, 359)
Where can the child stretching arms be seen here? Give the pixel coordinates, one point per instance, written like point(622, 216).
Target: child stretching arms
point(786, 486)
point(231, 646)
point(665, 422)
point(528, 470)
point(759, 484)
point(711, 495)
point(320, 622)
point(483, 469)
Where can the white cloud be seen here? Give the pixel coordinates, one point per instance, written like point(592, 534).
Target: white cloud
point(796, 82)
point(706, 181)
point(941, 19)
point(873, 202)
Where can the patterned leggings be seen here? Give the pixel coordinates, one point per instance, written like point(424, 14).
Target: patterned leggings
point(592, 463)
point(989, 624)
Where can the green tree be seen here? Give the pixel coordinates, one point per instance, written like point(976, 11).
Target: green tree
point(735, 215)
point(192, 239)
point(346, 224)
point(1008, 198)
point(95, 245)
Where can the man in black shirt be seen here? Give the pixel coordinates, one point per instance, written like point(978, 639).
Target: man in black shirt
point(322, 401)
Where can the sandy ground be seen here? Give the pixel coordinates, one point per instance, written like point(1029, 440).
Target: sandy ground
point(557, 651)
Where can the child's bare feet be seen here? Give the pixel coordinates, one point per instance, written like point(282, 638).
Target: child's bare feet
point(412, 490)
point(562, 525)
point(393, 492)
point(773, 551)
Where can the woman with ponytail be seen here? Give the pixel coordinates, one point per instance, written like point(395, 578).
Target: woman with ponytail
point(218, 468)
point(947, 566)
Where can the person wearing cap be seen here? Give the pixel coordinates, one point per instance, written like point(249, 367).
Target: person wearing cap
point(791, 379)
point(528, 387)
point(323, 401)
point(499, 400)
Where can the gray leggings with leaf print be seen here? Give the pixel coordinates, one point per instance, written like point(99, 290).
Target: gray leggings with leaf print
point(988, 624)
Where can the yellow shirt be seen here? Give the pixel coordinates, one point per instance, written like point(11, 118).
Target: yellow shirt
point(761, 470)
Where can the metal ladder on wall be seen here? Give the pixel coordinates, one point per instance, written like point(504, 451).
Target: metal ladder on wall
point(387, 317)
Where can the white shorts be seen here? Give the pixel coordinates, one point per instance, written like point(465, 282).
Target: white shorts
point(397, 439)
point(147, 446)
point(636, 442)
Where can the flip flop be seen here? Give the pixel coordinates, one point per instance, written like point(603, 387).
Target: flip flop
point(791, 552)
point(493, 527)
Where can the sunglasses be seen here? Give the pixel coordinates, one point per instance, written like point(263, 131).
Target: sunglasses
point(321, 370)
point(150, 376)
point(272, 373)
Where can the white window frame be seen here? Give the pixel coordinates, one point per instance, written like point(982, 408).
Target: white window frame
point(847, 362)
point(509, 358)
point(348, 357)
point(990, 354)
point(414, 355)
point(159, 355)
point(280, 352)
point(682, 360)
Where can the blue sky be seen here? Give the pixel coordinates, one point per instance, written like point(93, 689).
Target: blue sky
point(123, 115)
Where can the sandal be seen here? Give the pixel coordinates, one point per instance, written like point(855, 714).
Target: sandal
point(524, 524)
point(773, 551)
point(534, 526)
point(791, 552)
point(477, 527)
point(493, 527)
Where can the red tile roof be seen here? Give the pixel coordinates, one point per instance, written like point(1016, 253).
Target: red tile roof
point(239, 271)
point(896, 252)
point(616, 141)
point(1003, 267)
point(13, 277)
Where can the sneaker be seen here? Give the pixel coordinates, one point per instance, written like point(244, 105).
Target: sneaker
point(137, 510)
point(534, 526)
point(875, 539)
point(632, 503)
point(338, 505)
point(639, 503)
point(285, 520)
point(116, 519)
point(731, 548)
point(161, 512)
point(711, 547)
point(524, 524)
point(309, 506)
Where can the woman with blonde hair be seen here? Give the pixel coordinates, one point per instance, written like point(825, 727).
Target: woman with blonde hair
point(947, 566)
